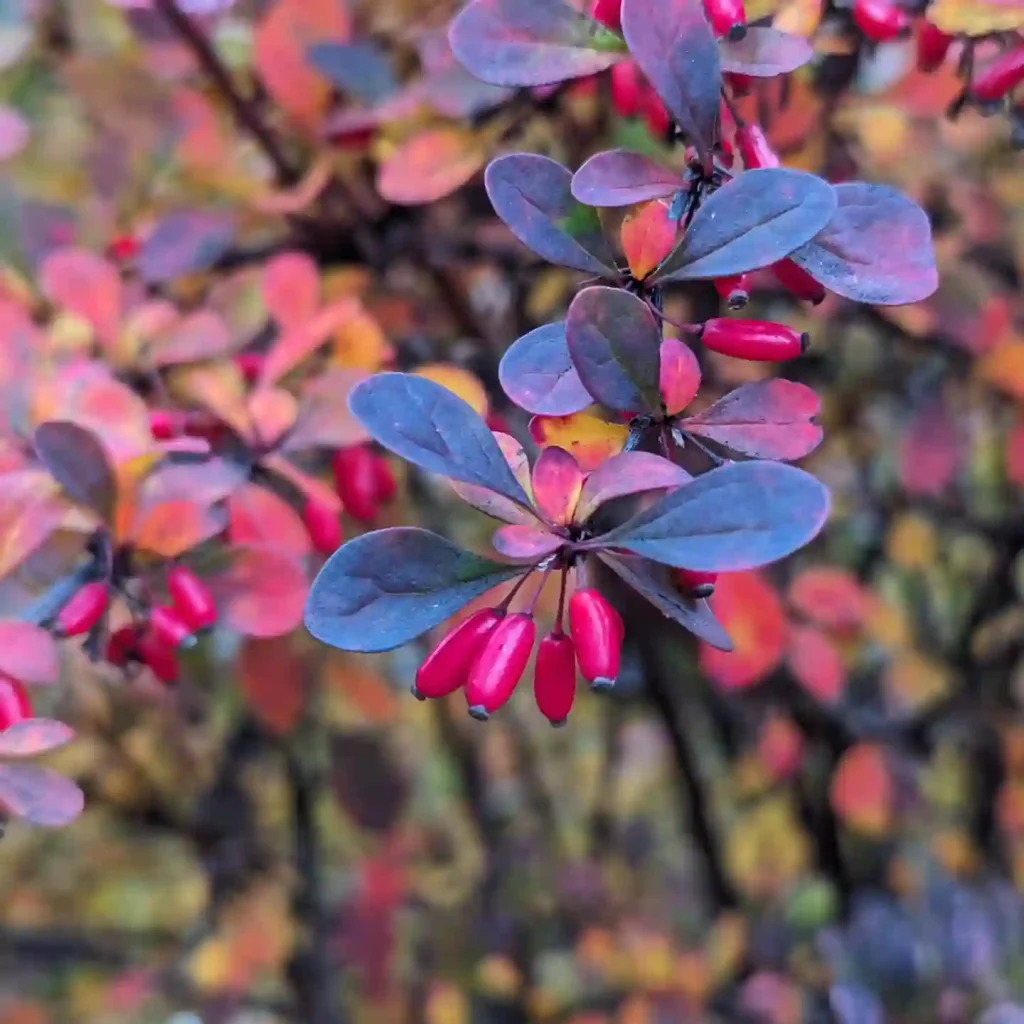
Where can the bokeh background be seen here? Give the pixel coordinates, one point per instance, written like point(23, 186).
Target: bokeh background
point(827, 825)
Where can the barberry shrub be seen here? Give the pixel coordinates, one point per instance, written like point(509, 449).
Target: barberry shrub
point(617, 359)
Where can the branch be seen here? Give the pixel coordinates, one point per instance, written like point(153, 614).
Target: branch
point(48, 606)
point(244, 110)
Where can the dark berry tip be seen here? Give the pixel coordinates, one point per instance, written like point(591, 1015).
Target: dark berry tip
point(602, 685)
point(805, 342)
point(479, 712)
point(414, 690)
point(704, 590)
point(737, 33)
point(737, 302)
point(559, 723)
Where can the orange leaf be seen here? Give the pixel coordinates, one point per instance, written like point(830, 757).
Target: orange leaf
point(590, 440)
point(458, 381)
point(259, 517)
point(202, 144)
point(87, 285)
point(31, 509)
point(830, 597)
point(171, 529)
point(281, 42)
point(272, 412)
point(271, 678)
point(359, 344)
point(301, 342)
point(216, 387)
point(430, 165)
point(291, 289)
point(1003, 368)
point(648, 235)
point(750, 609)
point(862, 791)
point(287, 202)
point(309, 486)
point(816, 662)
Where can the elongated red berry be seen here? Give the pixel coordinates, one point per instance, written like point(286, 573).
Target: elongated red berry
point(15, 705)
point(447, 666)
point(757, 340)
point(696, 584)
point(323, 526)
point(653, 111)
point(798, 282)
point(609, 13)
point(554, 677)
point(998, 78)
point(123, 248)
point(165, 424)
point(355, 480)
point(500, 665)
point(384, 478)
point(755, 150)
point(597, 633)
point(83, 611)
point(191, 598)
point(735, 290)
point(157, 656)
point(626, 88)
point(932, 46)
point(740, 84)
point(727, 17)
point(251, 365)
point(170, 628)
point(880, 20)
point(121, 645)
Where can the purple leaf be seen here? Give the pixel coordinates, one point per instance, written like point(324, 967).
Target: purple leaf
point(531, 194)
point(454, 92)
point(765, 52)
point(736, 517)
point(39, 796)
point(673, 43)
point(877, 248)
point(618, 177)
point(34, 736)
point(654, 583)
point(385, 588)
point(627, 473)
point(525, 543)
point(614, 341)
point(531, 42)
point(429, 426)
point(537, 374)
point(770, 419)
point(185, 243)
point(77, 461)
point(760, 217)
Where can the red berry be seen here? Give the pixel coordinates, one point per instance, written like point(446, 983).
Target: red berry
point(1003, 74)
point(880, 20)
point(554, 678)
point(446, 667)
point(323, 526)
point(735, 290)
point(83, 611)
point(165, 424)
point(696, 584)
point(384, 478)
point(191, 598)
point(626, 87)
point(798, 282)
point(740, 84)
point(121, 645)
point(757, 340)
point(157, 656)
point(727, 17)
point(932, 46)
point(500, 665)
point(609, 13)
point(123, 248)
point(754, 147)
point(597, 632)
point(653, 111)
point(14, 703)
point(251, 365)
point(170, 628)
point(497, 422)
point(355, 480)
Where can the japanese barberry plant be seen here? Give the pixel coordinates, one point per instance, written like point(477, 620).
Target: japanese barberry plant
point(708, 220)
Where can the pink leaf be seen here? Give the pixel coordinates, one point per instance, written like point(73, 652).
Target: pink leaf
point(929, 452)
point(34, 736)
point(528, 543)
point(28, 653)
point(260, 518)
point(87, 286)
point(39, 796)
point(557, 482)
point(262, 594)
point(627, 473)
point(816, 663)
point(291, 289)
point(830, 597)
point(14, 132)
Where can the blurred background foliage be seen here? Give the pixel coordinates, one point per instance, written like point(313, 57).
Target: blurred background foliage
point(827, 825)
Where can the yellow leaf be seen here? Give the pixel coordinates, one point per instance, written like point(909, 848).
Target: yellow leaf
point(359, 344)
point(591, 440)
point(976, 17)
point(460, 382)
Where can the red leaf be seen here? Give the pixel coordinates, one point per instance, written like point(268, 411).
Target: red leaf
point(271, 677)
point(678, 375)
point(302, 341)
point(929, 452)
point(87, 285)
point(829, 597)
point(648, 234)
point(557, 481)
point(430, 165)
point(862, 792)
point(260, 518)
point(291, 289)
point(780, 746)
point(28, 653)
point(816, 663)
point(770, 419)
point(39, 796)
point(750, 609)
point(262, 594)
point(34, 736)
